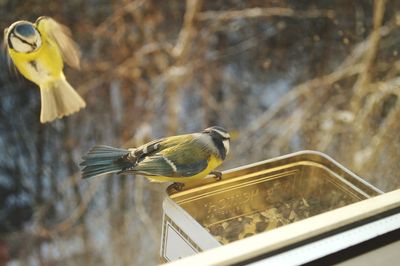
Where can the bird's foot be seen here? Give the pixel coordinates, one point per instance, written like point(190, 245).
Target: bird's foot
point(217, 175)
point(175, 187)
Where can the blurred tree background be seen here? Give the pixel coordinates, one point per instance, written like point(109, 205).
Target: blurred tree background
point(282, 76)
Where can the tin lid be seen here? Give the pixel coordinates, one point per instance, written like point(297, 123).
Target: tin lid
point(268, 194)
point(310, 157)
point(306, 240)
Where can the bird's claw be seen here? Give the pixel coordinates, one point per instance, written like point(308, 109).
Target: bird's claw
point(217, 175)
point(175, 187)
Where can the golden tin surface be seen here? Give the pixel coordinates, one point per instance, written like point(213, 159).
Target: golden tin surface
point(265, 195)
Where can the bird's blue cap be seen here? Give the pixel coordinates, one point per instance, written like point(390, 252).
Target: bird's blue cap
point(25, 30)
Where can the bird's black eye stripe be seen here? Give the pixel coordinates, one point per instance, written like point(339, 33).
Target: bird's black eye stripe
point(9, 40)
point(22, 40)
point(224, 137)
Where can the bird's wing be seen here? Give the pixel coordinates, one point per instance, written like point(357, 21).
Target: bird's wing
point(5, 48)
point(182, 160)
point(5, 39)
point(62, 36)
point(158, 145)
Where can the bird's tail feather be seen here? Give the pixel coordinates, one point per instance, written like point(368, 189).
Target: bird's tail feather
point(59, 99)
point(103, 160)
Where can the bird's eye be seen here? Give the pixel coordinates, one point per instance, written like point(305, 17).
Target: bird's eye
point(25, 30)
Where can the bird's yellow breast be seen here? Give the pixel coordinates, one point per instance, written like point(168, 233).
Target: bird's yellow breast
point(213, 163)
point(40, 66)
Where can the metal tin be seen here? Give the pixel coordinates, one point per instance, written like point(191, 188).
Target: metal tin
point(255, 198)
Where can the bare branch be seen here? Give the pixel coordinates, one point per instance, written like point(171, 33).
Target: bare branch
point(257, 12)
point(370, 55)
point(186, 34)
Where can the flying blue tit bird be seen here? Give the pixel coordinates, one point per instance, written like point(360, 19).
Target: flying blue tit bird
point(38, 51)
point(176, 159)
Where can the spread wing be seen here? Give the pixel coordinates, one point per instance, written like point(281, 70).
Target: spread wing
point(186, 159)
point(5, 39)
point(62, 36)
point(5, 49)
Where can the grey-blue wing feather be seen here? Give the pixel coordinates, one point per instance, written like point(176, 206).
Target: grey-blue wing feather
point(158, 166)
point(185, 159)
point(154, 166)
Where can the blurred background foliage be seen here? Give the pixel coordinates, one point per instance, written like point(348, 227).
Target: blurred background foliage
point(282, 76)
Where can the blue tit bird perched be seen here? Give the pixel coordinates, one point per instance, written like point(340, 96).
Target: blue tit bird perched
point(176, 159)
point(38, 51)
